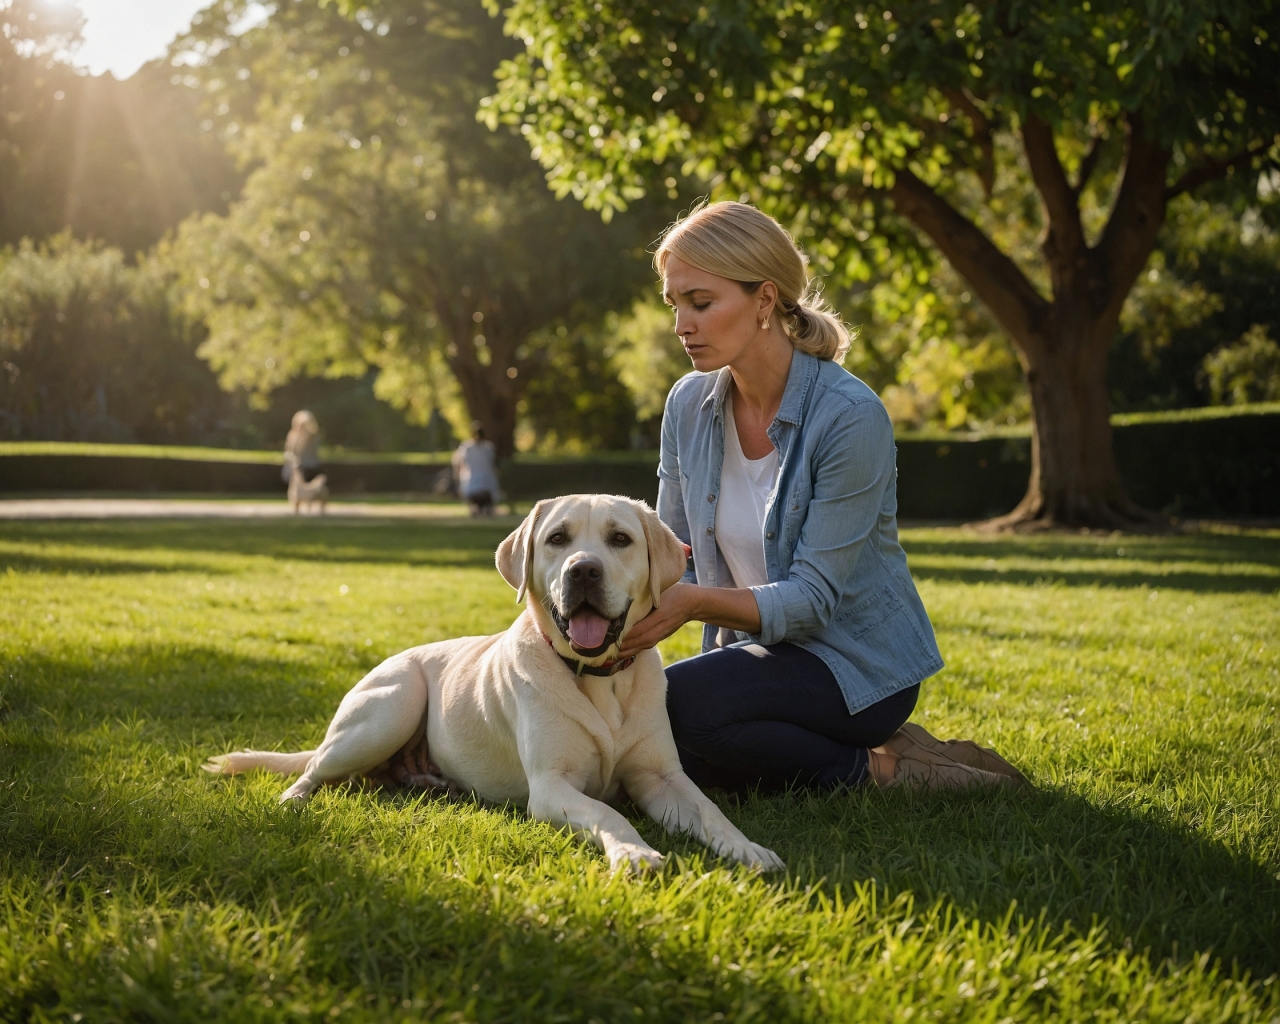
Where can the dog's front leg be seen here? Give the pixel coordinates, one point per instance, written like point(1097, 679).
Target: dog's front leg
point(670, 797)
point(554, 798)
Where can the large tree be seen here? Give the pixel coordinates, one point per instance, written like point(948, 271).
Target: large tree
point(848, 119)
point(382, 225)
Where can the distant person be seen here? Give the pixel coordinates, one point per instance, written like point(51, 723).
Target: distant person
point(303, 443)
point(475, 469)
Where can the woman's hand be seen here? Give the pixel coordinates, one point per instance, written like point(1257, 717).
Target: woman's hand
point(679, 605)
point(685, 602)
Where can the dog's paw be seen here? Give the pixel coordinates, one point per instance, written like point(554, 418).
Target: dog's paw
point(635, 858)
point(753, 855)
point(218, 765)
point(762, 858)
point(300, 792)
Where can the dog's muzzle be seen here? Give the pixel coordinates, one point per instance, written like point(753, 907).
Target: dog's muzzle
point(611, 636)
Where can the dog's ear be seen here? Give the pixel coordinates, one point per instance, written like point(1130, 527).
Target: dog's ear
point(667, 559)
point(515, 554)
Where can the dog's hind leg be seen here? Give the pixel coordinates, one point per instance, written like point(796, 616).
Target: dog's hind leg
point(375, 719)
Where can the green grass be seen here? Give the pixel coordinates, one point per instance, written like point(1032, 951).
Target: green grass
point(1136, 681)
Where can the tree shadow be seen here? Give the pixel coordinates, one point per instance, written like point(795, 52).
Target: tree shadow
point(1155, 885)
point(430, 930)
point(399, 542)
point(1250, 564)
point(162, 683)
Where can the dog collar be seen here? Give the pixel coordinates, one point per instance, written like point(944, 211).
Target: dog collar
point(581, 668)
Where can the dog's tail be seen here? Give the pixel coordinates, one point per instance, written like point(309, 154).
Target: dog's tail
point(246, 760)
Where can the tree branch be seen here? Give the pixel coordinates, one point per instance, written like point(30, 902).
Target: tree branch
point(1135, 219)
point(963, 99)
point(1003, 288)
point(1064, 243)
point(1211, 169)
point(1088, 165)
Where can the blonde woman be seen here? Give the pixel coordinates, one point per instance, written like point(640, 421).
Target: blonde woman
point(778, 470)
point(303, 443)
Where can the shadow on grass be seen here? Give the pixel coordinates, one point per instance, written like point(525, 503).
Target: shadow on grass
point(1250, 564)
point(158, 546)
point(423, 929)
point(1064, 860)
point(1155, 885)
point(168, 684)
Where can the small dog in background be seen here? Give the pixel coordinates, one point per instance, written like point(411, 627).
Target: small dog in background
point(300, 490)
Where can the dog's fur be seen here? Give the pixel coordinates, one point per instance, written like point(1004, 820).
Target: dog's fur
point(506, 718)
point(301, 491)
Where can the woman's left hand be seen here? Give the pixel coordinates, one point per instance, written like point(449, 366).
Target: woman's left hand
point(679, 605)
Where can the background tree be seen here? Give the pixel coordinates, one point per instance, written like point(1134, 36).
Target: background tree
point(382, 225)
point(92, 349)
point(1215, 274)
point(835, 115)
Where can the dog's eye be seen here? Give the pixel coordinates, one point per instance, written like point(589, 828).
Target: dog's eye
point(558, 539)
point(620, 540)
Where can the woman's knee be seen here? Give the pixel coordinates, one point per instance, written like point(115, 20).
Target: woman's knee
point(694, 713)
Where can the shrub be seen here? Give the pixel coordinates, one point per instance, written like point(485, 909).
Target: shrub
point(1246, 371)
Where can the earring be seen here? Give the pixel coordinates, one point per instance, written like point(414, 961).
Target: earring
point(765, 325)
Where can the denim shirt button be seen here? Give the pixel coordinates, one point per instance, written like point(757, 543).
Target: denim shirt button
point(711, 497)
point(769, 535)
point(710, 530)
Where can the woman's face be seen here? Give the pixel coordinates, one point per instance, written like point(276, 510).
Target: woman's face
point(717, 321)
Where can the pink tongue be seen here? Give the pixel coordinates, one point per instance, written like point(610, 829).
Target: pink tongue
point(587, 630)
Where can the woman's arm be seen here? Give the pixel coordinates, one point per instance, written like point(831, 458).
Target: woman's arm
point(670, 492)
point(688, 602)
point(854, 467)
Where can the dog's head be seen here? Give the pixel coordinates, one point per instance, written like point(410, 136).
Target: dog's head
point(595, 564)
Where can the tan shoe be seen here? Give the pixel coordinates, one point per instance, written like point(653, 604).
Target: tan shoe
point(966, 752)
point(920, 767)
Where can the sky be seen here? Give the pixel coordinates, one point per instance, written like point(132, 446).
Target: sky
point(122, 35)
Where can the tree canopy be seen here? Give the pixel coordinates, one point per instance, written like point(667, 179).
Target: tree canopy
point(382, 225)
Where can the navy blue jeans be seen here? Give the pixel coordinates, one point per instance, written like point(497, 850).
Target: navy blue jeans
point(771, 718)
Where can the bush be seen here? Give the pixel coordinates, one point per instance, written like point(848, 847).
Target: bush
point(1246, 371)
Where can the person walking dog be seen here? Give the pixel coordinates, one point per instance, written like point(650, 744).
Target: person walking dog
point(303, 443)
point(778, 469)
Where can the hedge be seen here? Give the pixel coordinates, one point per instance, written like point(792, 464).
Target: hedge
point(1223, 462)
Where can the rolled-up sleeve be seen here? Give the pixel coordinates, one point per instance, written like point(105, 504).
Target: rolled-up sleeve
point(670, 491)
point(854, 467)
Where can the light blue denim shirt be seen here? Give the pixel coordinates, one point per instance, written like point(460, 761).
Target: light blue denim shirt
point(838, 580)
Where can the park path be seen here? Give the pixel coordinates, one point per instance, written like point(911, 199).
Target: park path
point(180, 508)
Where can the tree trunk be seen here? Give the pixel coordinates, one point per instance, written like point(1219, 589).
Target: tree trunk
point(491, 401)
point(488, 387)
point(1063, 343)
point(1074, 478)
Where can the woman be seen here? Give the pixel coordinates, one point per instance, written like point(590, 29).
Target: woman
point(778, 470)
point(303, 443)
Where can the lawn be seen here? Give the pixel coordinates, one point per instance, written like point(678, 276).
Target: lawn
point(1135, 680)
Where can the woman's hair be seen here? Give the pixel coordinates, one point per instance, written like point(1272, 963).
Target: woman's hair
point(303, 420)
point(739, 242)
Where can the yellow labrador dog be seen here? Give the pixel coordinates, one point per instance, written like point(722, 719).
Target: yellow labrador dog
point(543, 714)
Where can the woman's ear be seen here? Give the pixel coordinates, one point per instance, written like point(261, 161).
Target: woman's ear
point(515, 554)
point(768, 296)
point(667, 557)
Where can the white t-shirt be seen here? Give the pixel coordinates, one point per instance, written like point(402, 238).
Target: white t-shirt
point(745, 485)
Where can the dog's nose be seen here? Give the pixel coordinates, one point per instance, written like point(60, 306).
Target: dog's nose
point(586, 570)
